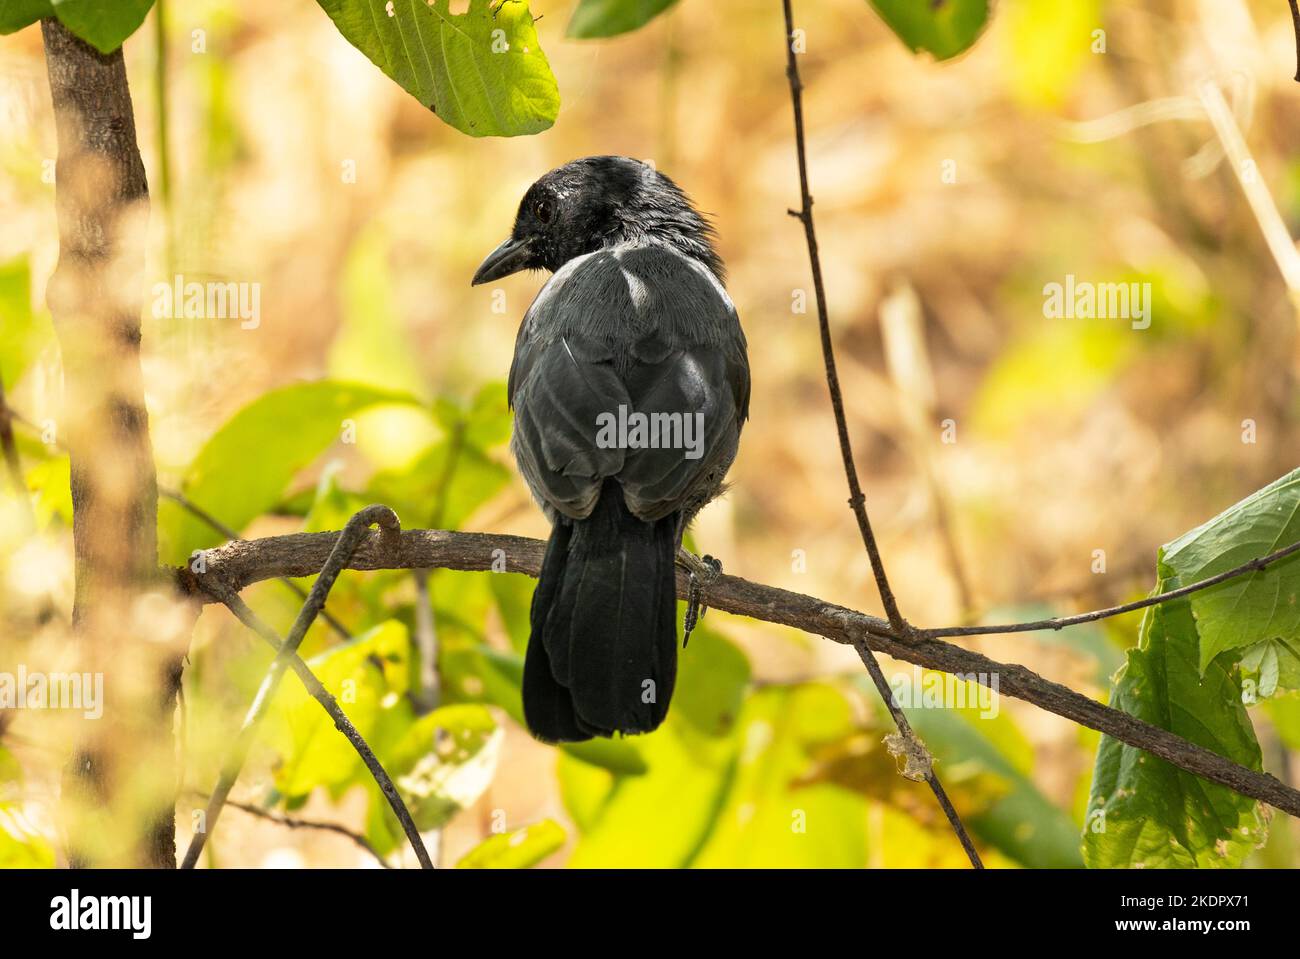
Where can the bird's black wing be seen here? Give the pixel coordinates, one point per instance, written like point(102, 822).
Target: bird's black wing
point(647, 329)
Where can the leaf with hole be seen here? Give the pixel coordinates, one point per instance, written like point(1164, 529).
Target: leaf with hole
point(482, 71)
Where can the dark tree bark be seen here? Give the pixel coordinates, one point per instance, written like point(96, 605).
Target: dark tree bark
point(95, 298)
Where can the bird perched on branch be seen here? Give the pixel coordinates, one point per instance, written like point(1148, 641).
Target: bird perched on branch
point(630, 384)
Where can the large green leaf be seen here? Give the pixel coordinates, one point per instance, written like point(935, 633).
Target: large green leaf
point(16, 14)
point(1144, 812)
point(515, 850)
point(482, 71)
point(243, 470)
point(609, 18)
point(1258, 606)
point(712, 677)
point(104, 25)
point(942, 27)
point(656, 820)
point(771, 816)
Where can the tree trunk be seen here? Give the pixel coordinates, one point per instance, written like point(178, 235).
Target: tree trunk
point(119, 792)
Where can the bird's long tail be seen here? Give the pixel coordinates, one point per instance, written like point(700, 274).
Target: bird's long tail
point(602, 657)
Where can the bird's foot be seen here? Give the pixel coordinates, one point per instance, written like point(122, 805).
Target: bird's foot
point(703, 572)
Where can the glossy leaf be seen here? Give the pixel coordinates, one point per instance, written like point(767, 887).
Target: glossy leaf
point(482, 71)
point(16, 14)
point(609, 18)
point(105, 26)
point(519, 849)
point(243, 470)
point(943, 28)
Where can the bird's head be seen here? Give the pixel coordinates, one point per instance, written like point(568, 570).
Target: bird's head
point(593, 203)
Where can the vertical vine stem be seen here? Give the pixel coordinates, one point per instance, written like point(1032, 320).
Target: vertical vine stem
point(919, 764)
point(344, 547)
point(1295, 23)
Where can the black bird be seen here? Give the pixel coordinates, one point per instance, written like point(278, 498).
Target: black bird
point(634, 325)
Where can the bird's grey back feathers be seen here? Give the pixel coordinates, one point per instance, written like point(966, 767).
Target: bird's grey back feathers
point(641, 326)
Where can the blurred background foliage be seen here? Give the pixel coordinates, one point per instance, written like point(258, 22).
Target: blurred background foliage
point(1001, 450)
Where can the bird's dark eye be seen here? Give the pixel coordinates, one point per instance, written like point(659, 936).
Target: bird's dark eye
point(544, 209)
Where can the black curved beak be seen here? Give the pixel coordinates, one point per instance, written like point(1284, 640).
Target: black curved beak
point(510, 257)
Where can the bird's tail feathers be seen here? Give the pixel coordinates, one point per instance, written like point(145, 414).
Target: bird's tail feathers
point(602, 657)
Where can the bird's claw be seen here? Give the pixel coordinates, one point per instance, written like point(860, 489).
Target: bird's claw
point(703, 573)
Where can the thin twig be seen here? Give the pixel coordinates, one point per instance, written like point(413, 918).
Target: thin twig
point(240, 563)
point(1254, 565)
point(857, 500)
point(1295, 23)
point(293, 822)
point(1274, 229)
point(203, 516)
point(285, 658)
point(344, 725)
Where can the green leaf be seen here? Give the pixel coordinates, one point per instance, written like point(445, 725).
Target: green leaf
point(1020, 821)
point(1259, 605)
point(943, 28)
point(445, 762)
point(1144, 812)
point(443, 487)
point(361, 674)
point(513, 593)
point(656, 820)
point(609, 18)
point(516, 850)
point(16, 14)
point(1284, 712)
point(482, 71)
point(24, 332)
point(485, 420)
point(619, 756)
point(771, 817)
point(584, 789)
point(22, 845)
point(105, 26)
point(51, 481)
point(712, 677)
point(243, 470)
point(332, 506)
